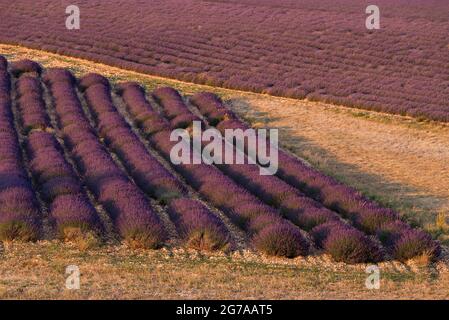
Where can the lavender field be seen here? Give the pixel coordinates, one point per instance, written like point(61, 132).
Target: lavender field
point(247, 150)
point(315, 50)
point(84, 157)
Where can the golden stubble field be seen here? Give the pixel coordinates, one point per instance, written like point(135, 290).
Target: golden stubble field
point(399, 161)
point(36, 271)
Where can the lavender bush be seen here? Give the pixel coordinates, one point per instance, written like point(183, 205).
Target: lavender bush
point(199, 227)
point(346, 244)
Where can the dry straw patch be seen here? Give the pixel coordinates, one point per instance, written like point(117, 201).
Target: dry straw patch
point(82, 239)
point(31, 271)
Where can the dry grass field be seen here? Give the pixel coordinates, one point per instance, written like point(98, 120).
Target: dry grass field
point(35, 271)
point(399, 161)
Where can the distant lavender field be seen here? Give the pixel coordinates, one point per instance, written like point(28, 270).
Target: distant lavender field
point(319, 50)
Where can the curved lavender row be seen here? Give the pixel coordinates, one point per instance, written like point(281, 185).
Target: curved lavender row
point(149, 174)
point(346, 244)
point(61, 190)
point(295, 206)
point(365, 214)
point(197, 225)
point(260, 220)
point(130, 211)
point(19, 211)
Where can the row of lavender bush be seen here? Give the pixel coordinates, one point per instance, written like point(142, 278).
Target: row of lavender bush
point(245, 210)
point(19, 210)
point(146, 170)
point(363, 213)
point(132, 214)
point(262, 222)
point(295, 206)
point(196, 224)
point(61, 190)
